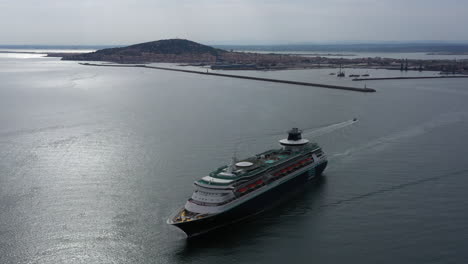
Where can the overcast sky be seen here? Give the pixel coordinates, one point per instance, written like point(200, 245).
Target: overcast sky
point(116, 22)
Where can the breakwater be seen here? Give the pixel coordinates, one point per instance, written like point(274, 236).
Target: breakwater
point(338, 87)
point(410, 78)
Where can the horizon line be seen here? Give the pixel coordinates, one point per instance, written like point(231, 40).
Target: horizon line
point(222, 43)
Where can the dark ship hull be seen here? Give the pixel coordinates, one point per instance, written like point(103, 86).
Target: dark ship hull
point(249, 208)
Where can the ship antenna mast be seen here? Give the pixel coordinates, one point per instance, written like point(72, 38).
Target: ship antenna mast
point(231, 166)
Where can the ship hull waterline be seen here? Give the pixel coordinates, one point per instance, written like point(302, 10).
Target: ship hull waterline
point(249, 208)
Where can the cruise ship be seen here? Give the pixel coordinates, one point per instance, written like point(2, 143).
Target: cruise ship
point(248, 186)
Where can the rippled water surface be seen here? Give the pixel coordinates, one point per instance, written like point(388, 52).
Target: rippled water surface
point(94, 159)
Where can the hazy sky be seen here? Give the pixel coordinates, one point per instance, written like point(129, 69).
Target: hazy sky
point(230, 21)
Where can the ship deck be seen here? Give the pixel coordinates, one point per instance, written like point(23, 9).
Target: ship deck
point(185, 216)
point(260, 162)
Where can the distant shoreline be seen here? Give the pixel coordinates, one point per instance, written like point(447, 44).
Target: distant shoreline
point(410, 78)
point(299, 53)
point(46, 53)
point(447, 53)
point(456, 48)
point(286, 61)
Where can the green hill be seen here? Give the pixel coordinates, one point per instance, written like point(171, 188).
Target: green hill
point(168, 50)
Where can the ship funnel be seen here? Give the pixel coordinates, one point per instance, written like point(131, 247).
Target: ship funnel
point(294, 138)
point(295, 134)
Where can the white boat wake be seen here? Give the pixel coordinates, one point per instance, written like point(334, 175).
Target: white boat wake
point(330, 128)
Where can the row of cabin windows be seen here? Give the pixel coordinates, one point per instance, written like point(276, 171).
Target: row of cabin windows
point(212, 203)
point(211, 194)
point(207, 200)
point(242, 182)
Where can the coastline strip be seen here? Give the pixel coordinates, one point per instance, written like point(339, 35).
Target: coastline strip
point(410, 78)
point(355, 89)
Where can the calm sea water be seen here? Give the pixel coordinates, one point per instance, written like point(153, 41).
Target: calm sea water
point(93, 160)
point(393, 55)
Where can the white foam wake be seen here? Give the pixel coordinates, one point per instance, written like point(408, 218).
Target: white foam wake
point(328, 129)
point(383, 142)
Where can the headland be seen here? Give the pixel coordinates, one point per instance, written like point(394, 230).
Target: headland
point(196, 54)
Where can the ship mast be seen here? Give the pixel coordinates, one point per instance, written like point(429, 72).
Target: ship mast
point(232, 165)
